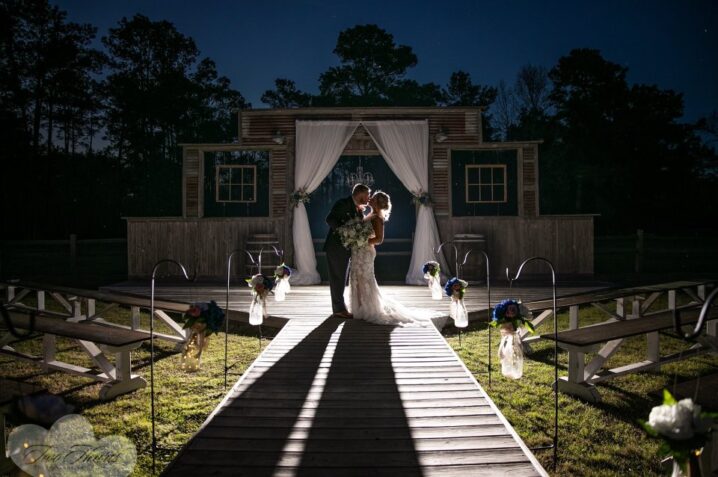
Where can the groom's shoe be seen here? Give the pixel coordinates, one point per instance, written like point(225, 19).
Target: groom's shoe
point(344, 314)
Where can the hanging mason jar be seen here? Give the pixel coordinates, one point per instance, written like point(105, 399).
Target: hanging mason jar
point(191, 358)
point(511, 352)
point(257, 310)
point(458, 313)
point(435, 287)
point(281, 289)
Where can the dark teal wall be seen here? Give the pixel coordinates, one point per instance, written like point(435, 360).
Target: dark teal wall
point(260, 208)
point(459, 159)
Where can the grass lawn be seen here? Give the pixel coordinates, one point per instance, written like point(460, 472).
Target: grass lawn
point(183, 400)
point(594, 439)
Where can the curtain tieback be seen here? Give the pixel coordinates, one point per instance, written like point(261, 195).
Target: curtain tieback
point(299, 196)
point(422, 198)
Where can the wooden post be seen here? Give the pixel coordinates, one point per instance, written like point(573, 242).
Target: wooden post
point(639, 251)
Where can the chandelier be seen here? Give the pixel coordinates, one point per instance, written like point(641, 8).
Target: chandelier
point(360, 177)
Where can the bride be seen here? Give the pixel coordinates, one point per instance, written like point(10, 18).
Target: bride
point(363, 296)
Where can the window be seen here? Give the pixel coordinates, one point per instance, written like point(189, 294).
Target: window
point(236, 183)
point(486, 184)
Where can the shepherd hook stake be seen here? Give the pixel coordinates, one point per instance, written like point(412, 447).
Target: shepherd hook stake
point(555, 345)
point(152, 348)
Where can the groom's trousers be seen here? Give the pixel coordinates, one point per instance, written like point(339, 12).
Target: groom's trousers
point(338, 264)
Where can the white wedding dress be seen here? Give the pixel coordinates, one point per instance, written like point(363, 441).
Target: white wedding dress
point(365, 300)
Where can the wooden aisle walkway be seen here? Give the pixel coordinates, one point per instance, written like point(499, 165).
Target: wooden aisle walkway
point(308, 302)
point(339, 398)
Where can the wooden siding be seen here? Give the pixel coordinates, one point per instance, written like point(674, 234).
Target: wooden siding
point(529, 180)
point(201, 245)
point(565, 240)
point(191, 182)
point(278, 175)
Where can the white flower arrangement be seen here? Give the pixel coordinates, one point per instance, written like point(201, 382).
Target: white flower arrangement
point(681, 425)
point(355, 233)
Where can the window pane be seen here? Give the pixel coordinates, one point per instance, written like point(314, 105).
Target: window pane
point(236, 193)
point(472, 175)
point(248, 193)
point(223, 175)
point(248, 177)
point(499, 175)
point(485, 175)
point(485, 193)
point(499, 193)
point(473, 193)
point(223, 192)
point(236, 175)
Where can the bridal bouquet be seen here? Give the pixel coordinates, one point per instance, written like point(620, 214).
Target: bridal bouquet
point(455, 289)
point(261, 286)
point(510, 315)
point(431, 271)
point(683, 428)
point(202, 319)
point(281, 278)
point(355, 233)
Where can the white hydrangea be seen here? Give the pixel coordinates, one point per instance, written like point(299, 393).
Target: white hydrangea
point(678, 421)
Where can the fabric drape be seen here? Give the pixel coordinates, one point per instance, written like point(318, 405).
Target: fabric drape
point(318, 148)
point(405, 148)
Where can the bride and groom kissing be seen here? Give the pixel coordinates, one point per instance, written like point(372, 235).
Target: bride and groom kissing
point(362, 298)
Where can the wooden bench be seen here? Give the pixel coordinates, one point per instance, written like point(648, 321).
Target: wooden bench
point(606, 338)
point(642, 299)
point(95, 339)
point(71, 300)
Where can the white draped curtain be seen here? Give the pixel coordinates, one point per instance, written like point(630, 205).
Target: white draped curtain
point(319, 145)
point(405, 147)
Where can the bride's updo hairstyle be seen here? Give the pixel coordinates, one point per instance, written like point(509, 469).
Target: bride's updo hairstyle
point(383, 202)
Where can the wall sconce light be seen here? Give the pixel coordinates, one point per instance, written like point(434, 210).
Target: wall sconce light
point(441, 135)
point(277, 137)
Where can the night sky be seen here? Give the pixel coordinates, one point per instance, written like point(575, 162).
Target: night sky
point(672, 44)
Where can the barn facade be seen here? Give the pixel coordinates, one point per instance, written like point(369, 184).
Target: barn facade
point(486, 193)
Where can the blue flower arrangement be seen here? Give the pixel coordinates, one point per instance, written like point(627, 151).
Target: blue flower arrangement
point(208, 314)
point(261, 284)
point(432, 268)
point(455, 286)
point(510, 311)
point(282, 271)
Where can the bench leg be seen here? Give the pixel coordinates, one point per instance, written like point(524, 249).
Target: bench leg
point(573, 317)
point(587, 392)
point(135, 317)
point(125, 381)
point(49, 349)
point(576, 383)
point(40, 300)
point(653, 350)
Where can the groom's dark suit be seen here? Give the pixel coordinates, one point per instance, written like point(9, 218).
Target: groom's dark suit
point(338, 256)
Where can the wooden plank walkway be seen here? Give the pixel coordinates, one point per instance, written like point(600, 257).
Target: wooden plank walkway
point(330, 397)
point(310, 302)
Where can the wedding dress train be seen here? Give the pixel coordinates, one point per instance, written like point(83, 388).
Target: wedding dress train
point(366, 301)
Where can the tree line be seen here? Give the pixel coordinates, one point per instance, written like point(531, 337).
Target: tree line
point(91, 134)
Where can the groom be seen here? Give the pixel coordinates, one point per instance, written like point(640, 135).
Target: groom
point(338, 256)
